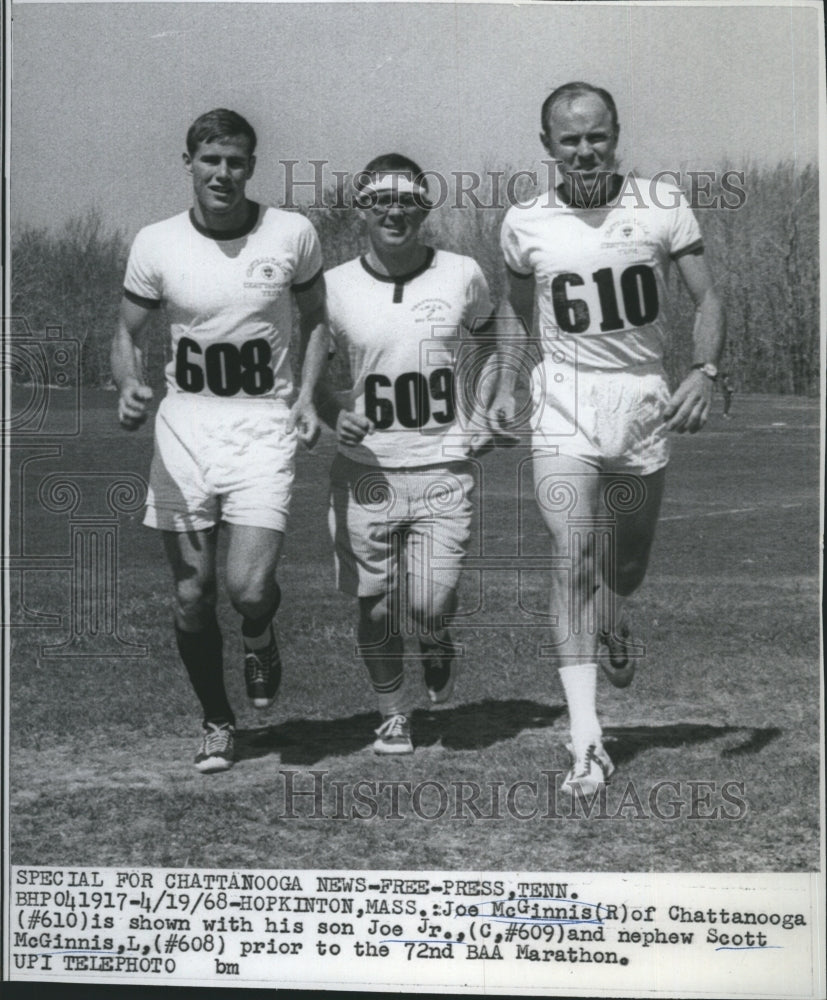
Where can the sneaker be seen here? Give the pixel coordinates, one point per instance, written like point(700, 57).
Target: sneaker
point(217, 748)
point(394, 736)
point(618, 664)
point(589, 771)
point(440, 670)
point(262, 674)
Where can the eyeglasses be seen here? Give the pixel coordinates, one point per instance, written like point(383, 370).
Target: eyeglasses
point(381, 202)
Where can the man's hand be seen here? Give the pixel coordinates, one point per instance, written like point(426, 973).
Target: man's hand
point(688, 409)
point(501, 418)
point(352, 427)
point(305, 421)
point(132, 405)
point(482, 435)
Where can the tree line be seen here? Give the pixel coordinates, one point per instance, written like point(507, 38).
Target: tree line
point(763, 255)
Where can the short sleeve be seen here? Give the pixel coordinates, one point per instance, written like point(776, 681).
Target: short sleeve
point(142, 282)
point(478, 305)
point(308, 258)
point(684, 231)
point(333, 312)
point(510, 246)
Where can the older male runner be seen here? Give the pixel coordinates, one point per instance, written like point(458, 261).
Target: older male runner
point(593, 256)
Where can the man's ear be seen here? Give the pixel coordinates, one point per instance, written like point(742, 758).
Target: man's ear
point(187, 162)
point(545, 139)
point(251, 168)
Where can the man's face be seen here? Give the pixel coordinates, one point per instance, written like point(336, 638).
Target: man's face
point(393, 218)
point(220, 170)
point(581, 137)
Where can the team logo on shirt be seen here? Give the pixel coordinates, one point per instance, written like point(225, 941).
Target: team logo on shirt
point(430, 310)
point(626, 236)
point(267, 275)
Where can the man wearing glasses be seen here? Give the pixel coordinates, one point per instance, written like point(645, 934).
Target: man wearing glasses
point(400, 513)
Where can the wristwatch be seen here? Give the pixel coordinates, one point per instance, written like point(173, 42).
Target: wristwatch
point(708, 369)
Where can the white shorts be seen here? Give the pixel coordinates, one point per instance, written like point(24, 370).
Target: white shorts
point(378, 515)
point(612, 420)
point(220, 460)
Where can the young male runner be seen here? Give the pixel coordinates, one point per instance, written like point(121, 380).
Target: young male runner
point(225, 433)
point(593, 256)
point(400, 499)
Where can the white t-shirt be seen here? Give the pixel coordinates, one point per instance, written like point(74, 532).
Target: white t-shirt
point(401, 336)
point(601, 272)
point(228, 299)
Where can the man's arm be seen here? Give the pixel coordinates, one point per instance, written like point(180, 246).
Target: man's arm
point(480, 377)
point(313, 344)
point(514, 322)
point(127, 365)
point(350, 427)
point(689, 406)
point(327, 405)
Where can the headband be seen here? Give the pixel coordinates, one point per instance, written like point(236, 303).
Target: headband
point(396, 182)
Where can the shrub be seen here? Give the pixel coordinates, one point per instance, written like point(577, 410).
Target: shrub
point(764, 257)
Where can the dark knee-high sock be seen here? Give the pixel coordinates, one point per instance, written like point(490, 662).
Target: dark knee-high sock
point(202, 655)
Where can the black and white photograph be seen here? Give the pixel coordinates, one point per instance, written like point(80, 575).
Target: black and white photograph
point(413, 453)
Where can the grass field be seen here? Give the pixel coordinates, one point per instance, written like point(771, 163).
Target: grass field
point(101, 748)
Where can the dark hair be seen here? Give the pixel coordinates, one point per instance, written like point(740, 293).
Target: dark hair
point(571, 90)
point(219, 124)
point(390, 163)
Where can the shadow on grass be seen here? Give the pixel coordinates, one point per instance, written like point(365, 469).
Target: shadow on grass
point(477, 726)
point(625, 743)
point(467, 727)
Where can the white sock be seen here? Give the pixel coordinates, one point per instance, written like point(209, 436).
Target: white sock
point(580, 684)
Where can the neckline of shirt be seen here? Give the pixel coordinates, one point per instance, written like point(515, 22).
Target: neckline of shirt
point(400, 279)
point(224, 235)
point(616, 186)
